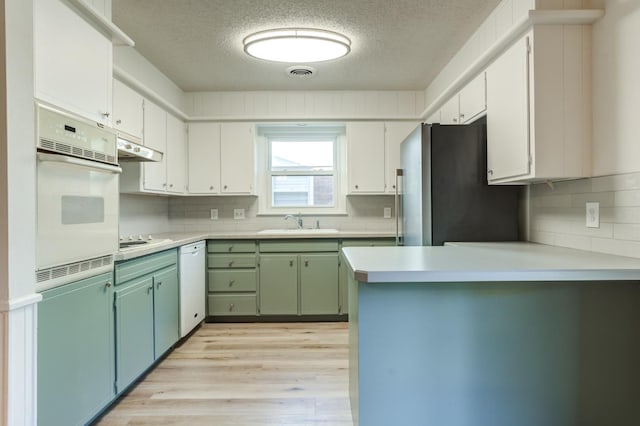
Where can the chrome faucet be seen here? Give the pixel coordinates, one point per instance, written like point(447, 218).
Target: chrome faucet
point(297, 217)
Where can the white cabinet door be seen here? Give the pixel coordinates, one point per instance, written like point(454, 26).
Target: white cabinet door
point(508, 113)
point(127, 109)
point(395, 133)
point(176, 156)
point(473, 99)
point(204, 158)
point(237, 158)
point(72, 60)
point(449, 113)
point(365, 157)
point(155, 136)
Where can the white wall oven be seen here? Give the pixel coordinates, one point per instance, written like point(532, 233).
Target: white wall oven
point(77, 198)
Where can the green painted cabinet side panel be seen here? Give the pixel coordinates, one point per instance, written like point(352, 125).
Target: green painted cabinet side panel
point(220, 280)
point(298, 246)
point(319, 284)
point(232, 304)
point(128, 270)
point(234, 246)
point(231, 260)
point(75, 351)
point(343, 285)
point(134, 330)
point(166, 310)
point(279, 284)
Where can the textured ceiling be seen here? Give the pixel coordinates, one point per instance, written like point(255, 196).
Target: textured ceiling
point(396, 44)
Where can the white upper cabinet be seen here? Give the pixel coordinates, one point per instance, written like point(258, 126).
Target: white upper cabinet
point(237, 158)
point(176, 155)
point(204, 158)
point(365, 157)
point(395, 133)
point(450, 112)
point(538, 115)
point(73, 61)
point(127, 110)
point(472, 99)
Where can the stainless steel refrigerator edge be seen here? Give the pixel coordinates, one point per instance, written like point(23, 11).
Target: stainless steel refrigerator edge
point(444, 191)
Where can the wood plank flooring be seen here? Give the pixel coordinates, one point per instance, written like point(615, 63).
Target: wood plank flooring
point(257, 374)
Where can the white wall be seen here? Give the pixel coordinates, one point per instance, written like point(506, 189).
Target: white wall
point(143, 214)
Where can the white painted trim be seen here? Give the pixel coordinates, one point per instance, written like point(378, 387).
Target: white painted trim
point(288, 119)
point(20, 302)
point(84, 9)
point(147, 92)
point(535, 17)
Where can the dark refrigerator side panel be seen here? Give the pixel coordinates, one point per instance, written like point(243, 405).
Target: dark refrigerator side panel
point(464, 207)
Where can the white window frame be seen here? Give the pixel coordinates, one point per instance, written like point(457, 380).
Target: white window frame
point(308, 132)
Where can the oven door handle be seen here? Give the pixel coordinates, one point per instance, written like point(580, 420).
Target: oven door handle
point(94, 165)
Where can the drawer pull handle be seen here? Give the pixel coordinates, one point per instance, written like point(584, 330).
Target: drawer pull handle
point(231, 282)
point(231, 306)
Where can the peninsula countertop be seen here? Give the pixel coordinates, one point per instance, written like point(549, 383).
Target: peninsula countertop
point(484, 262)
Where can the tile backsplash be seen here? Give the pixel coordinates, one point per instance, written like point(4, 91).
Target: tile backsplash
point(143, 214)
point(557, 214)
point(187, 214)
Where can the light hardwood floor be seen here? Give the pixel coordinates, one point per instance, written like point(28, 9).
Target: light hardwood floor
point(246, 374)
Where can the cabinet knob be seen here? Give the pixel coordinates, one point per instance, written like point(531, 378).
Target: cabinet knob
point(356, 186)
point(149, 289)
point(118, 121)
point(291, 263)
point(490, 172)
point(231, 306)
point(455, 120)
point(159, 284)
point(461, 116)
point(107, 284)
point(164, 185)
point(230, 247)
point(170, 185)
point(211, 188)
point(230, 264)
point(105, 114)
point(393, 186)
point(306, 263)
point(225, 187)
point(231, 282)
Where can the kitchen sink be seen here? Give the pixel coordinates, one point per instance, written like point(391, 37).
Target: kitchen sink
point(298, 231)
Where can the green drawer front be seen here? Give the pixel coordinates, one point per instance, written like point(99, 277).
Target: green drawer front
point(130, 269)
point(387, 242)
point(298, 246)
point(231, 246)
point(232, 280)
point(232, 304)
point(231, 261)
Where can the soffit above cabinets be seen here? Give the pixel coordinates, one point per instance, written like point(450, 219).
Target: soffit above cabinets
point(396, 45)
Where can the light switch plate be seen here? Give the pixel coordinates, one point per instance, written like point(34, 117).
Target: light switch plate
point(387, 212)
point(593, 215)
point(214, 214)
point(238, 213)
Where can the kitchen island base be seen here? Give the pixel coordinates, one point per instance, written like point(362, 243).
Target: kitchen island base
point(495, 354)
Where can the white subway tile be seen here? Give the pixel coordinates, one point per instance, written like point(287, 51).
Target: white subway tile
point(627, 198)
point(579, 242)
point(617, 247)
point(542, 237)
point(616, 182)
point(623, 231)
point(606, 199)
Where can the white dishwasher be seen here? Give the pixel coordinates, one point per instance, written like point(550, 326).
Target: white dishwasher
point(192, 286)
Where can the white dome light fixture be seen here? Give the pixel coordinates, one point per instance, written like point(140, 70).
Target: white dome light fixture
point(297, 45)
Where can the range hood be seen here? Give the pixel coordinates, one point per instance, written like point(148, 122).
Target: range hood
point(130, 149)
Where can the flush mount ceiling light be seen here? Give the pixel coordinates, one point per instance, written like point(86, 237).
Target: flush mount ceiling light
point(296, 45)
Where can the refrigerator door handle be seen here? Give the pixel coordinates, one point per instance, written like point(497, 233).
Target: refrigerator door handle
point(397, 205)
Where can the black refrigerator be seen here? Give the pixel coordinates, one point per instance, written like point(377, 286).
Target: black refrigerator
point(444, 192)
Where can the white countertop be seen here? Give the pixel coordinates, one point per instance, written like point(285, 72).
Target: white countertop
point(482, 262)
point(180, 239)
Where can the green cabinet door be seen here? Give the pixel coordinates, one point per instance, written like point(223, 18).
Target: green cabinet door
point(75, 351)
point(134, 330)
point(166, 310)
point(319, 284)
point(278, 284)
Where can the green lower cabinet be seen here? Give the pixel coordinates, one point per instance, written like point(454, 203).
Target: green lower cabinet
point(343, 285)
point(134, 330)
point(166, 310)
point(319, 284)
point(75, 351)
point(278, 284)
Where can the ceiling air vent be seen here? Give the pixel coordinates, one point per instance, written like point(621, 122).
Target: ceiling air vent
point(301, 71)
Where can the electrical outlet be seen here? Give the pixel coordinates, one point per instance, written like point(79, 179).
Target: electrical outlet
point(387, 212)
point(238, 213)
point(593, 215)
point(214, 214)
